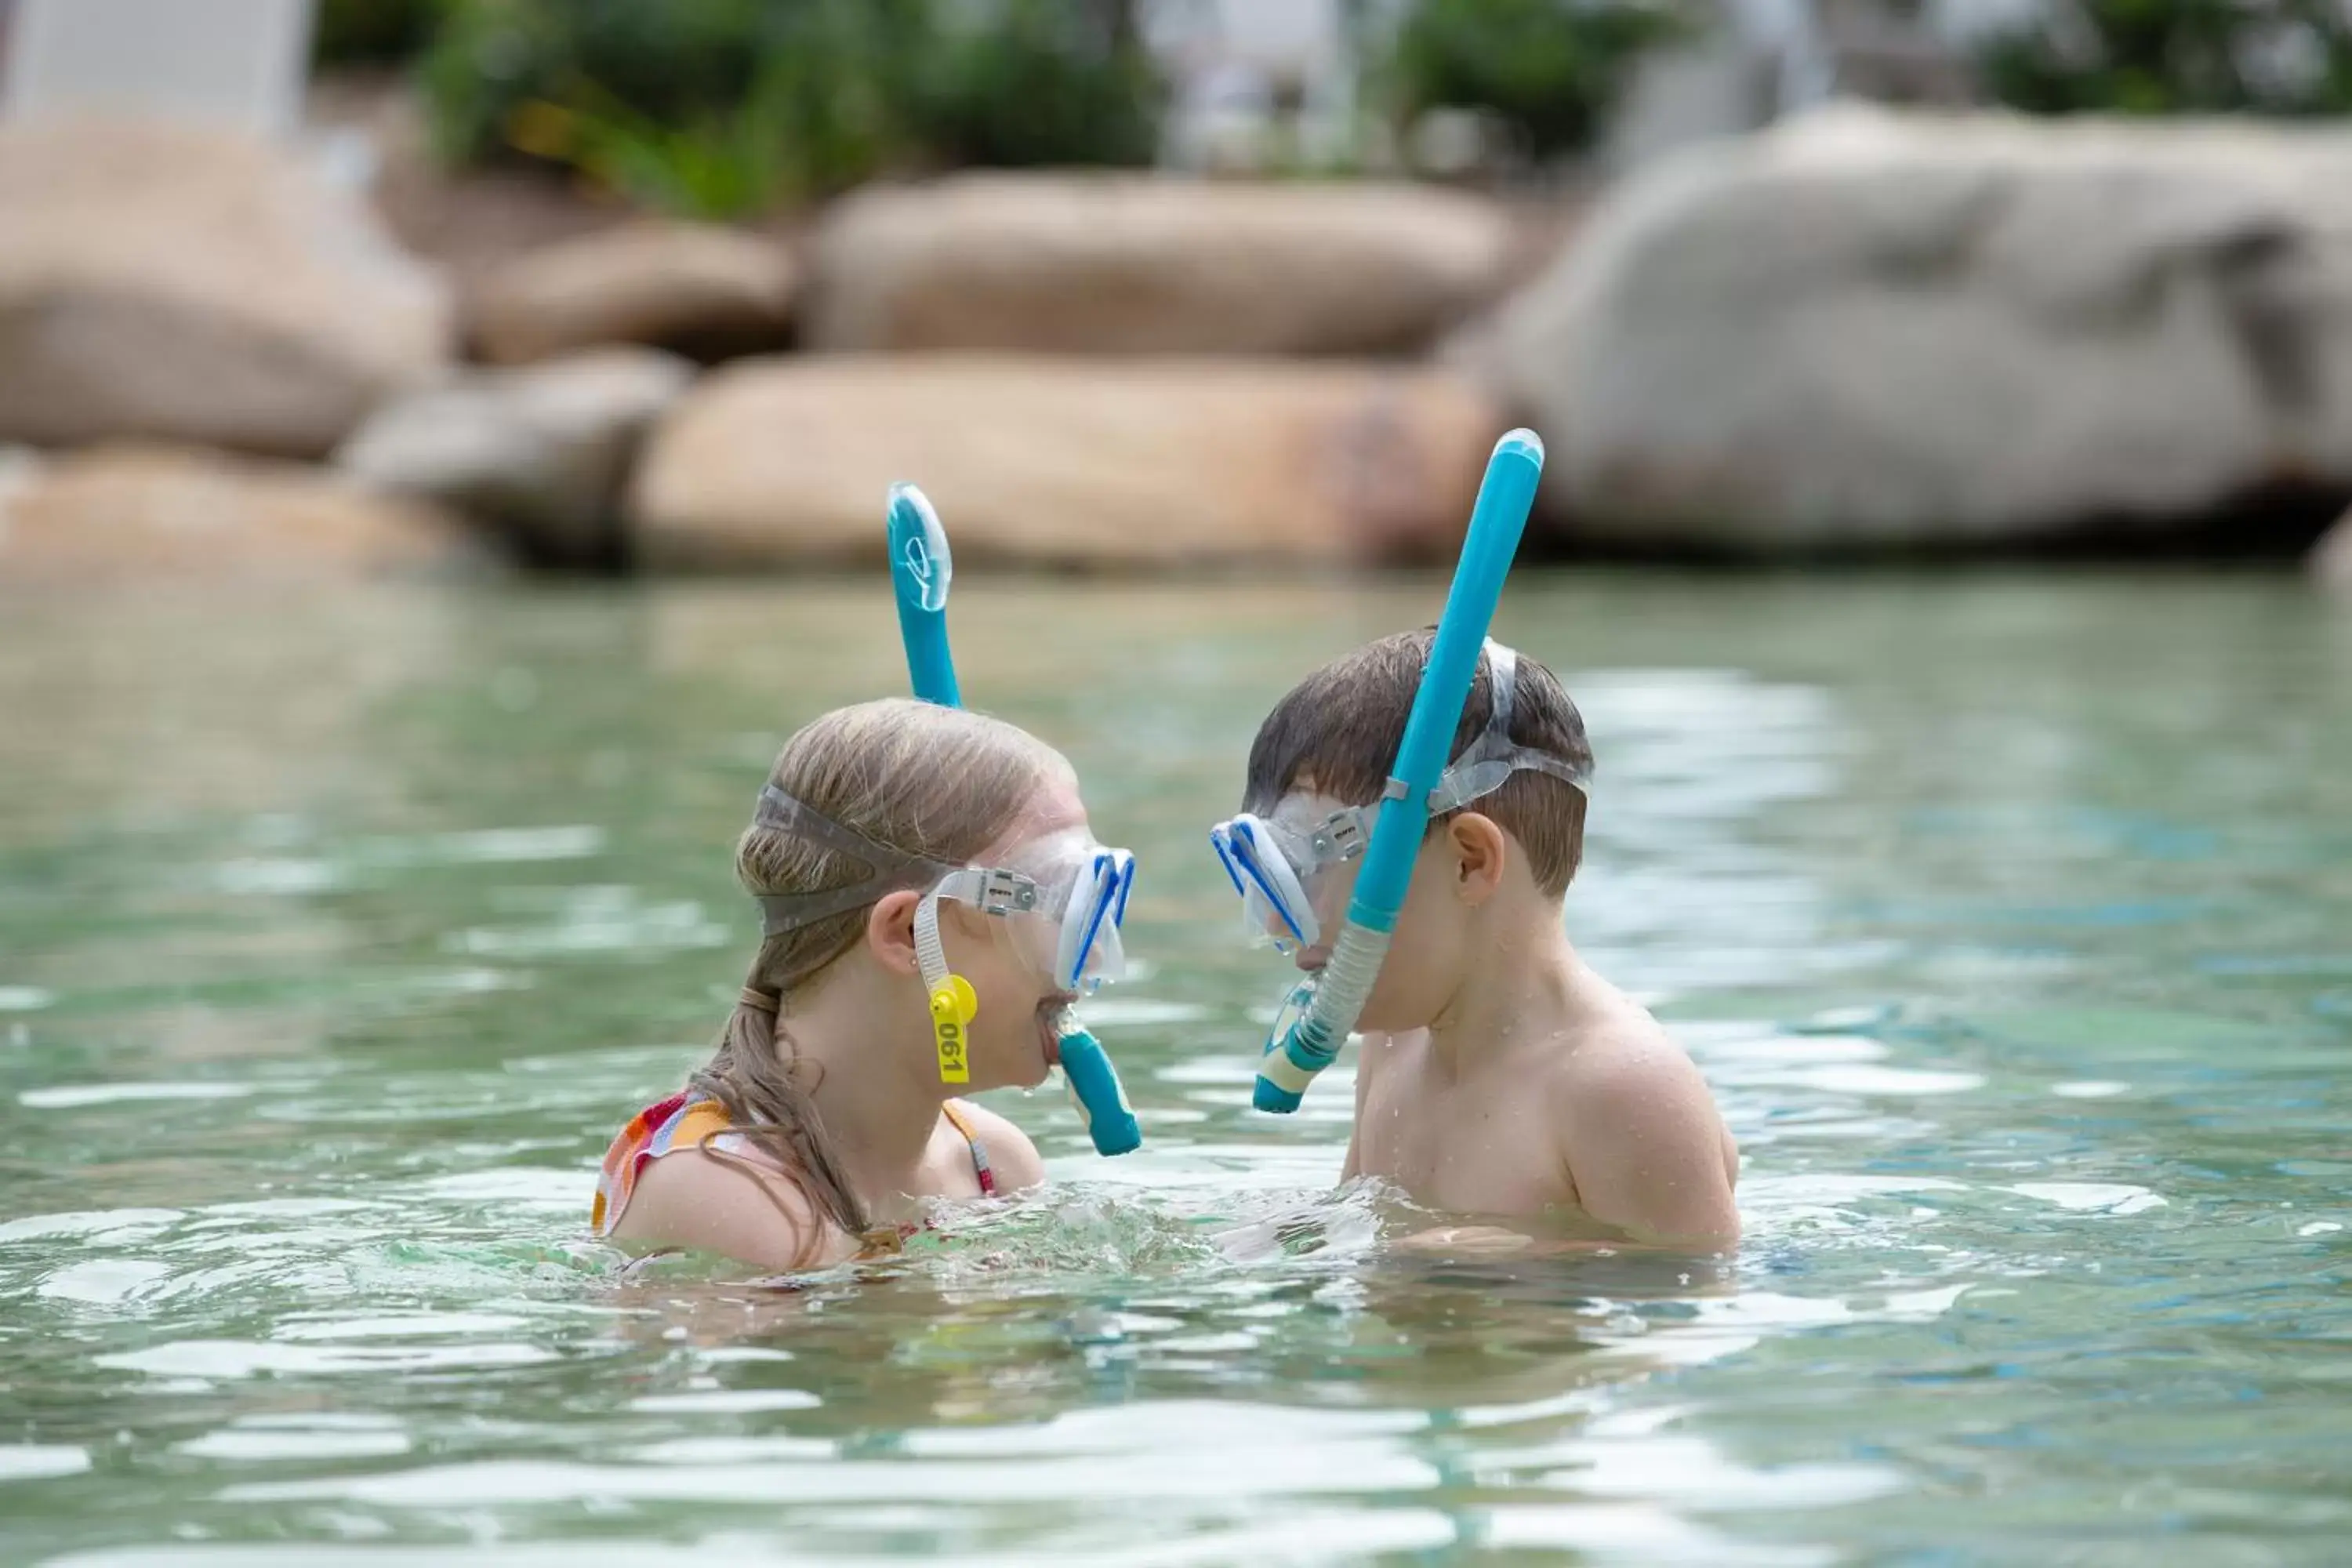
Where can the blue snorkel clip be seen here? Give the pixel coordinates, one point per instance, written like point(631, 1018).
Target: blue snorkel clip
point(1299, 1050)
point(920, 571)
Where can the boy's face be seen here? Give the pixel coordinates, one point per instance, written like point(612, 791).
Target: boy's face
point(1425, 955)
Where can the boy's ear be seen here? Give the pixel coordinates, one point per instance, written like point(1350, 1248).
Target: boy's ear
point(1481, 850)
point(891, 930)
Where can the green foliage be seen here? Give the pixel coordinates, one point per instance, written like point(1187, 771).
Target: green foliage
point(373, 32)
point(2287, 58)
point(721, 107)
point(1550, 69)
point(1038, 81)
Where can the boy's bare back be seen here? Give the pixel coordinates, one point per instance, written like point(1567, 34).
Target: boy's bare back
point(1588, 1115)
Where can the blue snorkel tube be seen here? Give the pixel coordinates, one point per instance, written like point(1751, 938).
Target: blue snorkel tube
point(920, 570)
point(1297, 1053)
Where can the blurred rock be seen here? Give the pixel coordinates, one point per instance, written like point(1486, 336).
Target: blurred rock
point(1130, 463)
point(709, 293)
point(1136, 265)
point(169, 514)
point(172, 282)
point(1870, 329)
point(540, 453)
point(2331, 557)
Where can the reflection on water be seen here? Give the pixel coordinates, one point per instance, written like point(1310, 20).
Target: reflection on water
point(2009, 920)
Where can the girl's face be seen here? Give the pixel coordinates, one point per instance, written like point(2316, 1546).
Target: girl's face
point(1013, 1038)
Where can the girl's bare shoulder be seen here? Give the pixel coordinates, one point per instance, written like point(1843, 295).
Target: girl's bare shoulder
point(742, 1204)
point(1011, 1155)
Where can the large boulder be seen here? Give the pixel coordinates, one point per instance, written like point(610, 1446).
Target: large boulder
point(2331, 557)
point(1119, 463)
point(185, 284)
point(705, 291)
point(1122, 264)
point(1868, 329)
point(163, 513)
point(540, 453)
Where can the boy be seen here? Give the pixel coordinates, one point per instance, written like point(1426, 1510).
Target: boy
point(1498, 1074)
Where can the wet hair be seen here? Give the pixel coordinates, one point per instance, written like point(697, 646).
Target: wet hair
point(943, 784)
point(1338, 730)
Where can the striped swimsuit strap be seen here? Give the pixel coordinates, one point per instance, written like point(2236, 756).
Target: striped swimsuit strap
point(959, 1116)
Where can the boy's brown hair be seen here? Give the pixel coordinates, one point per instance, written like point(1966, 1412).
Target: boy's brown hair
point(1340, 727)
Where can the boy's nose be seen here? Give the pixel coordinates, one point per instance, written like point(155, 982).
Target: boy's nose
point(1311, 960)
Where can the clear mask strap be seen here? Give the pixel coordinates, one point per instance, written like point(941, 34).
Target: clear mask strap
point(1492, 758)
point(1502, 666)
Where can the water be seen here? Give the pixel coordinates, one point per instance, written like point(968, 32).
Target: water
point(2010, 919)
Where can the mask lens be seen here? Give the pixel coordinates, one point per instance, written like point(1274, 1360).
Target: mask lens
point(1088, 952)
point(1070, 941)
point(1275, 910)
point(1327, 888)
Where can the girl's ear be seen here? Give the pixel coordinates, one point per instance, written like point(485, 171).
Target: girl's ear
point(1481, 850)
point(891, 930)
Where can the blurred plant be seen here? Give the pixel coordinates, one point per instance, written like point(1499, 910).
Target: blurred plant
point(2176, 57)
point(374, 32)
point(1548, 70)
point(719, 166)
point(1018, 83)
point(723, 108)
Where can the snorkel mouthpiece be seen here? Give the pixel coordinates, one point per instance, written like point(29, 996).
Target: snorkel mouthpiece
point(1097, 1093)
point(1287, 1069)
point(1294, 1055)
point(1283, 1076)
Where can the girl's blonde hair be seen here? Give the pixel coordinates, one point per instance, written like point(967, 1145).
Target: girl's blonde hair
point(943, 784)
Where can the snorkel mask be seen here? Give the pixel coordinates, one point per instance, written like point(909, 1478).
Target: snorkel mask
point(1284, 868)
point(1056, 906)
point(1078, 890)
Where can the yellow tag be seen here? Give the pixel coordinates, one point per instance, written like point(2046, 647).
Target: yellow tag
point(953, 1006)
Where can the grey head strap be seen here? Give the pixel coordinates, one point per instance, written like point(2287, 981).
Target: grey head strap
point(1491, 759)
point(889, 869)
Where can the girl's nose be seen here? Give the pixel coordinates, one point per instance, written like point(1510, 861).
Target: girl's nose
point(1311, 960)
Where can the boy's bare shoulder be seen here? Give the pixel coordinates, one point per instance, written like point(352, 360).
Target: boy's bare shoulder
point(1647, 1148)
point(1617, 1039)
point(1628, 1070)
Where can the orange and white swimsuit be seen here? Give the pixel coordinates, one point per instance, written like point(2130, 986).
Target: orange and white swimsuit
point(682, 1121)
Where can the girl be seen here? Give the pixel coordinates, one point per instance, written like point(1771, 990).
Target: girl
point(932, 903)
